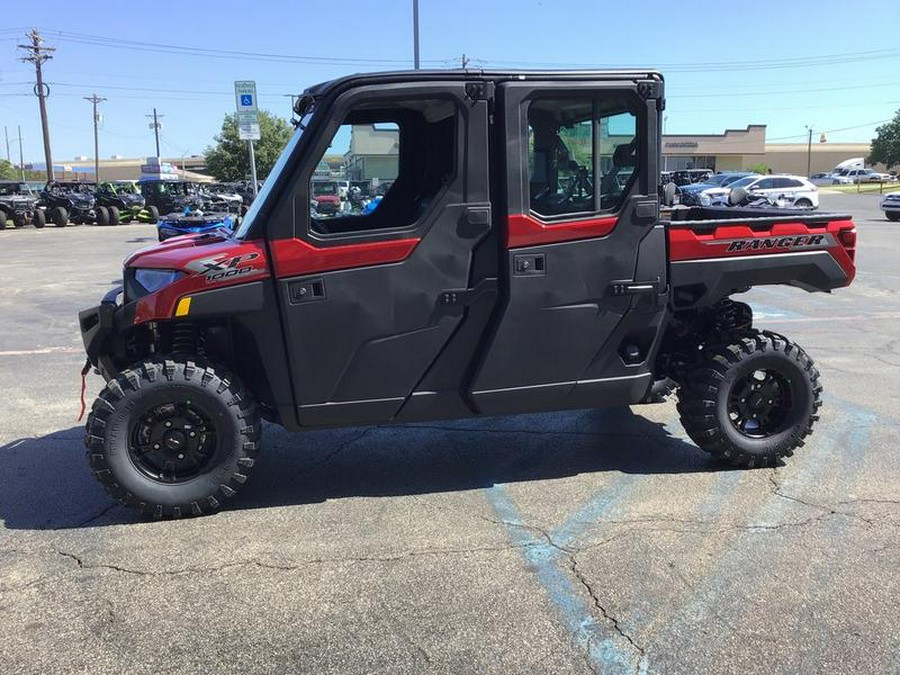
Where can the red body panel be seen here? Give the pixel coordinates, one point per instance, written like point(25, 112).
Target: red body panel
point(525, 230)
point(294, 257)
point(686, 243)
point(198, 258)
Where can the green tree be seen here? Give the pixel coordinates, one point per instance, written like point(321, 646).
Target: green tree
point(886, 144)
point(229, 160)
point(7, 172)
point(758, 168)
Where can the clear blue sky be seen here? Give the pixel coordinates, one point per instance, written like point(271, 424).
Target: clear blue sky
point(834, 65)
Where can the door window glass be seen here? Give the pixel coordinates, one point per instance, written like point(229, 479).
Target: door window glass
point(383, 167)
point(582, 154)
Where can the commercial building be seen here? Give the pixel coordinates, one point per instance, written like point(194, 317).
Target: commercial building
point(741, 149)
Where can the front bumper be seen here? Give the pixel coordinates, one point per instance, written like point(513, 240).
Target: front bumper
point(100, 326)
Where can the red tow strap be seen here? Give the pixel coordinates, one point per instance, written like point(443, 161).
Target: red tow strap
point(84, 372)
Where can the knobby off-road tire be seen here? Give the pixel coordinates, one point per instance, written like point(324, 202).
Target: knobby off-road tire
point(101, 216)
point(153, 214)
point(58, 216)
point(893, 216)
point(2, 220)
point(114, 216)
point(161, 403)
point(752, 401)
point(39, 219)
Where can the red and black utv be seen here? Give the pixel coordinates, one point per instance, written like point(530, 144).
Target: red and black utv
point(520, 260)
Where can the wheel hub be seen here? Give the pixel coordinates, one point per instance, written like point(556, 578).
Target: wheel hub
point(173, 442)
point(759, 403)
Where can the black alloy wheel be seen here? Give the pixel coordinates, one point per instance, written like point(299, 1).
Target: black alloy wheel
point(760, 403)
point(173, 442)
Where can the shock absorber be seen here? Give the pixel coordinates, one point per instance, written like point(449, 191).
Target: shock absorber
point(187, 339)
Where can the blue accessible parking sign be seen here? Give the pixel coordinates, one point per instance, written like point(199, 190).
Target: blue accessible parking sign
point(247, 99)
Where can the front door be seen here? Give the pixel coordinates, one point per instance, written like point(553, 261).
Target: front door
point(371, 283)
point(585, 254)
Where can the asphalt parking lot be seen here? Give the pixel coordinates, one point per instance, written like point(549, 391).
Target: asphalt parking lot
point(578, 542)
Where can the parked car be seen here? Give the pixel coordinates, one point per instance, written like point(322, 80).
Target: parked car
point(853, 176)
point(690, 194)
point(890, 204)
point(795, 190)
point(19, 205)
point(821, 178)
point(689, 176)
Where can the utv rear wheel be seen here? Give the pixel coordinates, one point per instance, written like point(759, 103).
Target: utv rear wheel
point(753, 401)
point(113, 215)
point(58, 216)
point(154, 214)
point(39, 218)
point(19, 220)
point(173, 438)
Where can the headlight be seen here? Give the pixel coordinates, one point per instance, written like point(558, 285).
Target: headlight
point(705, 200)
point(152, 280)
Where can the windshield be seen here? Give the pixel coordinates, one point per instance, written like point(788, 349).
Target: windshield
point(744, 182)
point(264, 191)
point(7, 189)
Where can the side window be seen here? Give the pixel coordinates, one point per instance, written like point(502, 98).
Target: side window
point(582, 154)
point(383, 167)
point(764, 184)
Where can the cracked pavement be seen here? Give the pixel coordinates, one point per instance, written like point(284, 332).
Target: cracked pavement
point(573, 542)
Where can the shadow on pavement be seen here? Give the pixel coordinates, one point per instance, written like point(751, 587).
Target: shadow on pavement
point(46, 483)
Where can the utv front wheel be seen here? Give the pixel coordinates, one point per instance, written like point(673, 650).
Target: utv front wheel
point(753, 401)
point(152, 215)
point(173, 438)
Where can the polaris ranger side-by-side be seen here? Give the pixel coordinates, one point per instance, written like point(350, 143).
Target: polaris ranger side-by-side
point(519, 261)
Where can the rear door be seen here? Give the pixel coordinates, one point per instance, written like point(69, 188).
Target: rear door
point(584, 256)
point(372, 292)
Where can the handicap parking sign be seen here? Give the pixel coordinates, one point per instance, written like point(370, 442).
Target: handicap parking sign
point(247, 99)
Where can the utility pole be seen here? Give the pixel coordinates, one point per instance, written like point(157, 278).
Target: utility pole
point(6, 133)
point(38, 54)
point(156, 126)
point(809, 150)
point(21, 159)
point(416, 34)
point(94, 99)
point(464, 61)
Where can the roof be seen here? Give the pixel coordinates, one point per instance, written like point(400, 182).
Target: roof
point(470, 74)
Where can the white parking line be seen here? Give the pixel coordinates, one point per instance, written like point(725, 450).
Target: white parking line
point(45, 350)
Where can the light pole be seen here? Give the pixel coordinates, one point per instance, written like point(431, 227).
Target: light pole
point(809, 129)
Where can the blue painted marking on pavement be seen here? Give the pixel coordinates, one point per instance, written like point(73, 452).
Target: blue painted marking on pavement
point(761, 311)
point(600, 504)
point(547, 561)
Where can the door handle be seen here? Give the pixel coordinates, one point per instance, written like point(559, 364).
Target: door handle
point(529, 264)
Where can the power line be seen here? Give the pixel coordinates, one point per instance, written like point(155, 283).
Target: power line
point(133, 45)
